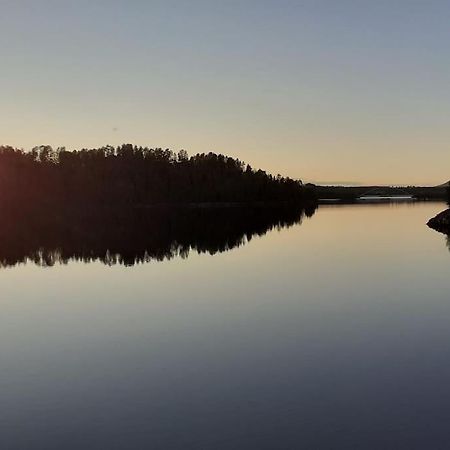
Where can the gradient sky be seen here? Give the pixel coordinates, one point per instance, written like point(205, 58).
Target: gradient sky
point(323, 90)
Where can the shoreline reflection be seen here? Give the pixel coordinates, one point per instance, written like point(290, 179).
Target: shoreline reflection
point(134, 236)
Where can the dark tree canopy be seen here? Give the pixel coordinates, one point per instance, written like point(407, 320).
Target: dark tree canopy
point(135, 176)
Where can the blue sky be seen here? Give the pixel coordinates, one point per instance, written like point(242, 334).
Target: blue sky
point(322, 90)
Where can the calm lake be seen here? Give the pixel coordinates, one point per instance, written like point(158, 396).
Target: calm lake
point(329, 334)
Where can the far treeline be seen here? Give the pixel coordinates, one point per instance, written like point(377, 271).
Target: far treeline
point(129, 175)
point(349, 194)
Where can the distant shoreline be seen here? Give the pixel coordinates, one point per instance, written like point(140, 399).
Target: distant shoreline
point(353, 193)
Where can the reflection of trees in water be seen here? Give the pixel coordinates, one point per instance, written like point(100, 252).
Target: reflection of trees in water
point(447, 239)
point(135, 236)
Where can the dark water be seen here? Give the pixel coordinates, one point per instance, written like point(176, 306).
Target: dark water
point(332, 334)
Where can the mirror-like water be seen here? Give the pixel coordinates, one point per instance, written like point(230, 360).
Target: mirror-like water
point(332, 334)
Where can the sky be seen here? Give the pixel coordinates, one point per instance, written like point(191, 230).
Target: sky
point(348, 91)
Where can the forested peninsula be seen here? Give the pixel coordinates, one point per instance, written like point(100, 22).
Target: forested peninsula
point(129, 175)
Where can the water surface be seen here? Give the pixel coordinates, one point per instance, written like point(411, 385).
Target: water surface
point(332, 334)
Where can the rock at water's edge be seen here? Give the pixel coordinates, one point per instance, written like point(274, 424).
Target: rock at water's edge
point(441, 222)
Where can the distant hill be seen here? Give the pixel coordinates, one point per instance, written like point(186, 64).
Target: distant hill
point(444, 185)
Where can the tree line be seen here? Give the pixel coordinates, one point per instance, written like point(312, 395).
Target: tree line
point(129, 175)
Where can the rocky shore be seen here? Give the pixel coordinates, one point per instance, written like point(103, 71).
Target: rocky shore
point(441, 222)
